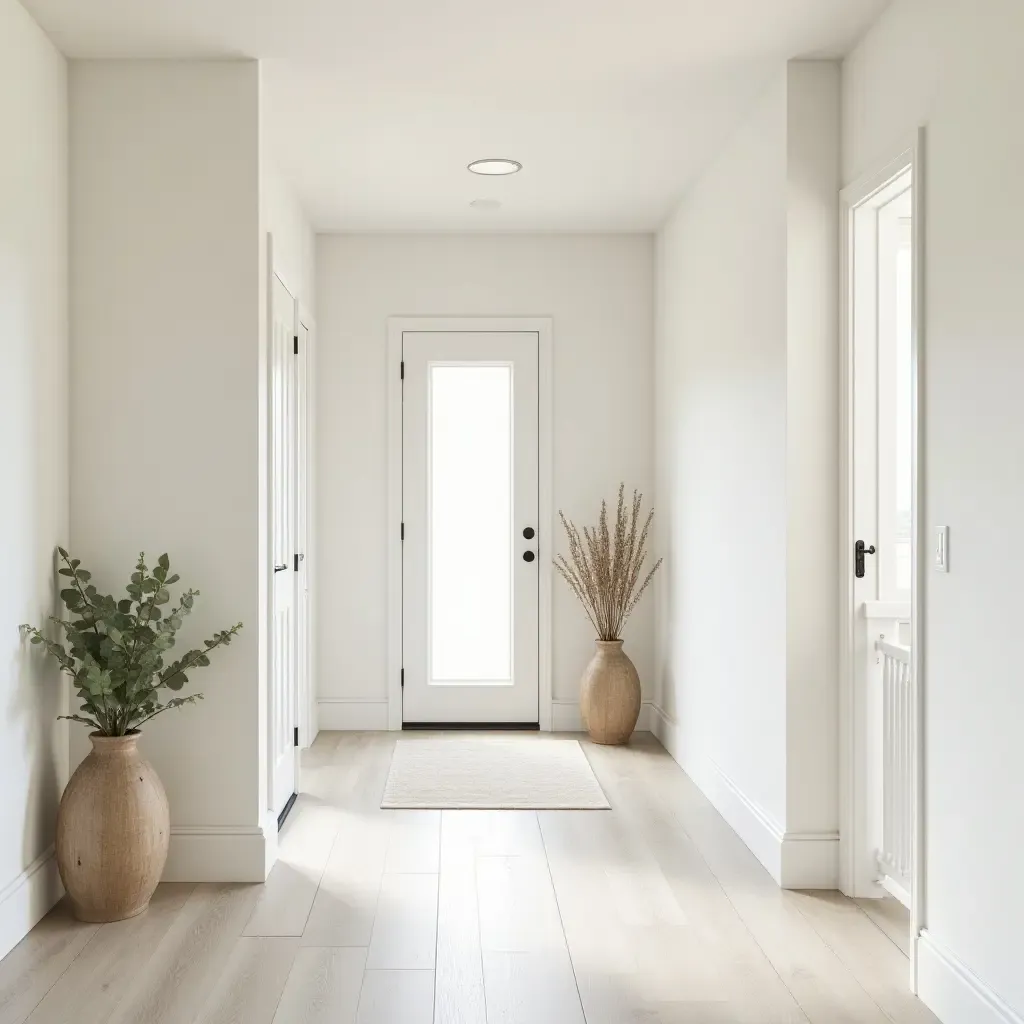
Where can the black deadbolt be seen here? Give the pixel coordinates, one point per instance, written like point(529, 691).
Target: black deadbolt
point(529, 533)
point(528, 556)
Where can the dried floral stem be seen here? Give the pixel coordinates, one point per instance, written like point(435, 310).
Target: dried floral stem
point(604, 566)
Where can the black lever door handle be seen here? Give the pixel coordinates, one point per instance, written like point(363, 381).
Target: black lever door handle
point(859, 551)
point(280, 568)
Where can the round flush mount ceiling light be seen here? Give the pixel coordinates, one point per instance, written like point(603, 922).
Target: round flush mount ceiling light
point(495, 165)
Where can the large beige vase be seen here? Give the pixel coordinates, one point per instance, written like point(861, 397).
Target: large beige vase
point(610, 694)
point(113, 827)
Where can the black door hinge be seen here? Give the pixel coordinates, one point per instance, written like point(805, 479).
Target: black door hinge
point(402, 370)
point(296, 735)
point(296, 345)
point(402, 534)
point(403, 678)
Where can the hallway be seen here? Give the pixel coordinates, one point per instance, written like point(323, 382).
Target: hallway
point(653, 912)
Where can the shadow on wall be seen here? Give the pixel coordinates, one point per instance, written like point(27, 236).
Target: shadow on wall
point(37, 699)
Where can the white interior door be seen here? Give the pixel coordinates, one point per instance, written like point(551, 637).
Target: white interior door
point(880, 538)
point(470, 508)
point(283, 542)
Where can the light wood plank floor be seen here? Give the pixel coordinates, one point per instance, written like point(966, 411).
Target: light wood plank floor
point(651, 913)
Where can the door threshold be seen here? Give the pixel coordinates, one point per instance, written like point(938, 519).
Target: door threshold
point(287, 809)
point(474, 726)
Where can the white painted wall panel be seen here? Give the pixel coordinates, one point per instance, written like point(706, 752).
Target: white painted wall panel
point(721, 439)
point(33, 453)
point(598, 289)
point(166, 324)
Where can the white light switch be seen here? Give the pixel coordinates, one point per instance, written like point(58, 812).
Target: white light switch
point(942, 549)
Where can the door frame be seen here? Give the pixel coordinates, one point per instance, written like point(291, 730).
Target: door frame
point(397, 327)
point(308, 726)
point(852, 741)
point(304, 710)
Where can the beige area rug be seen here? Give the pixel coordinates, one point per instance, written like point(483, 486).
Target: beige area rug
point(504, 771)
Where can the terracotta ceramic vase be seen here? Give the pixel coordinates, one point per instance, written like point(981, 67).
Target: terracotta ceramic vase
point(113, 828)
point(610, 694)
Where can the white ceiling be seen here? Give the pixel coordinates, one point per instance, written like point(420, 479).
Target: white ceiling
point(374, 107)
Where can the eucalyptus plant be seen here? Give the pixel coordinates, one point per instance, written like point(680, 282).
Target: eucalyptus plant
point(114, 650)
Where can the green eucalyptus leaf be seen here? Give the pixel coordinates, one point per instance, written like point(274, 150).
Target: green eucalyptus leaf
point(116, 648)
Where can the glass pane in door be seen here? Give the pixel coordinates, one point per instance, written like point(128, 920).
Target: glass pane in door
point(470, 532)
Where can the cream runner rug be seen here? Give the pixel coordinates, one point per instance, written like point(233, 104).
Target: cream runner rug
point(506, 771)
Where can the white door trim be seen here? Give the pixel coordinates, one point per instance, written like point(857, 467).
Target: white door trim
point(542, 327)
point(852, 197)
point(274, 271)
point(307, 689)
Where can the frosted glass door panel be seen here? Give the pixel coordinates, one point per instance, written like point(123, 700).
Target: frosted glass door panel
point(471, 524)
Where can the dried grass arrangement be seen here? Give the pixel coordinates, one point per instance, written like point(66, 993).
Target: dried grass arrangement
point(604, 567)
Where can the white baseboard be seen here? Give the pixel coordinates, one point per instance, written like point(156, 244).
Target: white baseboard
point(953, 992)
point(26, 900)
point(565, 717)
point(221, 853)
point(348, 714)
point(796, 860)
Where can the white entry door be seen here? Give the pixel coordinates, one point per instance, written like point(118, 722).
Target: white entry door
point(283, 440)
point(470, 506)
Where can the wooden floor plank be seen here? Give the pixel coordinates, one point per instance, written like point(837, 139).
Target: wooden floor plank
point(285, 901)
point(459, 977)
point(98, 979)
point(396, 997)
point(33, 967)
point(891, 917)
point(323, 987)
point(531, 988)
point(250, 986)
point(189, 960)
point(415, 843)
point(405, 927)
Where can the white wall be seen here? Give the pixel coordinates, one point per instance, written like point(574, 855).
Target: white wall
point(294, 240)
point(812, 440)
point(721, 452)
point(745, 435)
point(955, 66)
point(34, 454)
point(598, 289)
point(167, 318)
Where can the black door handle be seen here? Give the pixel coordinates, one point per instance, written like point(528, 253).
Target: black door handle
point(280, 568)
point(528, 556)
point(859, 551)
